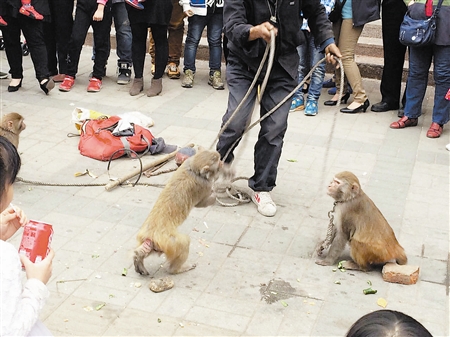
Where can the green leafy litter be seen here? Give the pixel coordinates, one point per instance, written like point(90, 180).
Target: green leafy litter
point(101, 305)
point(340, 266)
point(369, 291)
point(292, 160)
point(284, 303)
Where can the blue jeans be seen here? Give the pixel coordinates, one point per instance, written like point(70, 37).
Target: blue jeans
point(309, 55)
point(123, 32)
point(197, 23)
point(419, 64)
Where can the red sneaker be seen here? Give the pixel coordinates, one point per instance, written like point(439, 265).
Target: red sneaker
point(67, 84)
point(29, 11)
point(135, 3)
point(94, 85)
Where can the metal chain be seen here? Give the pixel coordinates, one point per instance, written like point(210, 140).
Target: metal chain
point(331, 231)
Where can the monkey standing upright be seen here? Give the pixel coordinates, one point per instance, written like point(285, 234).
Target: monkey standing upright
point(190, 186)
point(11, 125)
point(359, 222)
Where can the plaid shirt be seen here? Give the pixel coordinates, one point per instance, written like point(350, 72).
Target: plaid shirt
point(328, 4)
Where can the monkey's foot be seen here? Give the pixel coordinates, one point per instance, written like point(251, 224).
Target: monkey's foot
point(139, 263)
point(350, 265)
point(161, 284)
point(323, 263)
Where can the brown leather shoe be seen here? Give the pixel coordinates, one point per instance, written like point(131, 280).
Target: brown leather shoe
point(404, 122)
point(434, 131)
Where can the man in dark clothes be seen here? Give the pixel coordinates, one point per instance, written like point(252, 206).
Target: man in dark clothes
point(392, 13)
point(247, 26)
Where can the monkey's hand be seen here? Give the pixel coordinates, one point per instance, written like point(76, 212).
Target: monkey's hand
point(208, 201)
point(320, 251)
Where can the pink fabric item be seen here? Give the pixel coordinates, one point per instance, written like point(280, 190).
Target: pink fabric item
point(429, 8)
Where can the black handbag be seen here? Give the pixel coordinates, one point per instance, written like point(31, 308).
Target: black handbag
point(416, 32)
point(336, 14)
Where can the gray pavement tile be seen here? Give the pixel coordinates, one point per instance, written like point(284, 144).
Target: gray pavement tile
point(433, 268)
point(192, 329)
point(335, 322)
point(299, 317)
point(143, 323)
point(178, 303)
point(72, 312)
point(266, 320)
point(218, 319)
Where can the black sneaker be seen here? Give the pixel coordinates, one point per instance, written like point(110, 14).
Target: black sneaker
point(123, 74)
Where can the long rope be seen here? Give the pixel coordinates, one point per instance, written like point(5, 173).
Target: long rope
point(270, 47)
point(241, 196)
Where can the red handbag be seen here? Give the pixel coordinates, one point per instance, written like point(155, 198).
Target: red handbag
point(98, 141)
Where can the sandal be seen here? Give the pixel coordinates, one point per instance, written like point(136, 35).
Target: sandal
point(404, 122)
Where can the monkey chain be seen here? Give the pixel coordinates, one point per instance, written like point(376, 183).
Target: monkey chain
point(331, 231)
point(232, 192)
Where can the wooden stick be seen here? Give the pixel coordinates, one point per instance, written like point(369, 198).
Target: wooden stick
point(112, 184)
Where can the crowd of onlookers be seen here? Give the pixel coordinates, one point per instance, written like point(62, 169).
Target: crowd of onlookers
point(355, 14)
point(55, 32)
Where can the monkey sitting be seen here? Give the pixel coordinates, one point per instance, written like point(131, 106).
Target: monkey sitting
point(360, 223)
point(11, 125)
point(190, 186)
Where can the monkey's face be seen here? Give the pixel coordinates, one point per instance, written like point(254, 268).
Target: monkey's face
point(207, 164)
point(335, 189)
point(22, 126)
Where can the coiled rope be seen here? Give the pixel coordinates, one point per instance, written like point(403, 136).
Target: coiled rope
point(233, 192)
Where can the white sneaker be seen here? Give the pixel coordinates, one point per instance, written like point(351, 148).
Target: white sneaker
point(265, 204)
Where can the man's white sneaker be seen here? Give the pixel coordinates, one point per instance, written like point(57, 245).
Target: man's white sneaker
point(265, 204)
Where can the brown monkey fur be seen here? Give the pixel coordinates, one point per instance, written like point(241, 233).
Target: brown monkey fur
point(359, 222)
point(11, 125)
point(190, 186)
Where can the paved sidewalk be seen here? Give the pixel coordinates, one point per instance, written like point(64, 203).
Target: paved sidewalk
point(237, 251)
